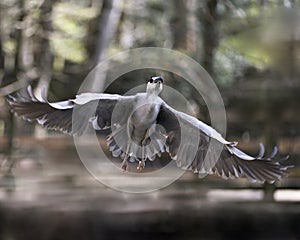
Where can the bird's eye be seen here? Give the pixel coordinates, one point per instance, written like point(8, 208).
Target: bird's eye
point(150, 80)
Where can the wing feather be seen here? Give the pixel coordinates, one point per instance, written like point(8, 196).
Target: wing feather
point(59, 115)
point(231, 162)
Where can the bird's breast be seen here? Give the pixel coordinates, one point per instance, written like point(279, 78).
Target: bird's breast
point(144, 115)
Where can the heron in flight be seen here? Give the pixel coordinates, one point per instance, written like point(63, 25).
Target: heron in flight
point(143, 126)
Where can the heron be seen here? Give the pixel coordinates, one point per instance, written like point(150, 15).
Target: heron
point(143, 126)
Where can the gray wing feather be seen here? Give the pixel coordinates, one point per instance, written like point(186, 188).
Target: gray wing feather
point(30, 108)
point(58, 115)
point(198, 152)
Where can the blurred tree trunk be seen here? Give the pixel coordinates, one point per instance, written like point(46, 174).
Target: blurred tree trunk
point(18, 67)
point(291, 57)
point(270, 136)
point(18, 36)
point(179, 25)
point(1, 55)
point(2, 63)
point(8, 178)
point(45, 56)
point(210, 34)
point(106, 26)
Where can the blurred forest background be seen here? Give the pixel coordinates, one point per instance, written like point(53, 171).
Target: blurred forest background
point(250, 47)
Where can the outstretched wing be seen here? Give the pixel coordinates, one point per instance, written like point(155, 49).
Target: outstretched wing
point(198, 147)
point(71, 116)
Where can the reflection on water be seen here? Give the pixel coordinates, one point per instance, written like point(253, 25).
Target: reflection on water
point(287, 195)
point(56, 198)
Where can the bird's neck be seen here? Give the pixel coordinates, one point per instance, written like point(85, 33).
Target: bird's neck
point(152, 96)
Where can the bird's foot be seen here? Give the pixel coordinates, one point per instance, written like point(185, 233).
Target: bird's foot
point(124, 165)
point(141, 165)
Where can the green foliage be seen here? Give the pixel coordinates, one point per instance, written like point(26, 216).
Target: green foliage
point(10, 46)
point(70, 23)
point(76, 11)
point(224, 68)
point(70, 49)
point(250, 48)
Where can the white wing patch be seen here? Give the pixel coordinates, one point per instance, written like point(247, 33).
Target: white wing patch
point(87, 97)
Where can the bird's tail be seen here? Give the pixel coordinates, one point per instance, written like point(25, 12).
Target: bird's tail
point(119, 139)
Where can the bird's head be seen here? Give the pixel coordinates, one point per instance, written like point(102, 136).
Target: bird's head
point(155, 85)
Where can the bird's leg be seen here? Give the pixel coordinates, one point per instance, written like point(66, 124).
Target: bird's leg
point(141, 165)
point(124, 163)
point(129, 130)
